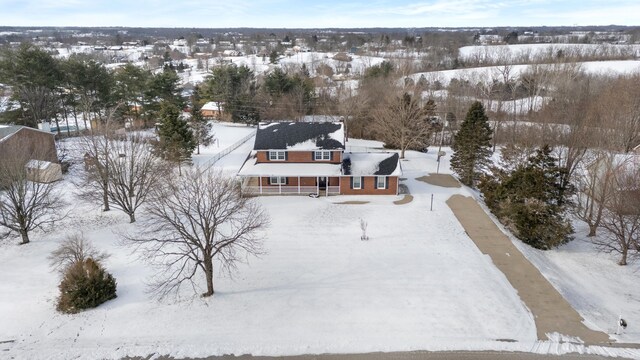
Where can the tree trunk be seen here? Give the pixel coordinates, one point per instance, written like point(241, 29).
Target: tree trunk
point(132, 217)
point(623, 259)
point(105, 197)
point(592, 230)
point(208, 270)
point(25, 237)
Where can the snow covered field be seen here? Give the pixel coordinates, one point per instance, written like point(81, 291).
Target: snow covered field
point(419, 283)
point(491, 73)
point(533, 52)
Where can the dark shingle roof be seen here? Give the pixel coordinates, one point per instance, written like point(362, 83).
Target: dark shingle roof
point(286, 135)
point(388, 165)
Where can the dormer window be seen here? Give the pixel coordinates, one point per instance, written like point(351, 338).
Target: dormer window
point(322, 155)
point(277, 156)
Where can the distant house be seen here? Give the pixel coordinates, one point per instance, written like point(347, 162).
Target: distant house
point(231, 53)
point(310, 157)
point(211, 110)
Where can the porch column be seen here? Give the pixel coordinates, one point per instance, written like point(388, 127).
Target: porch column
point(279, 187)
point(326, 187)
point(339, 184)
point(260, 183)
point(318, 185)
point(298, 185)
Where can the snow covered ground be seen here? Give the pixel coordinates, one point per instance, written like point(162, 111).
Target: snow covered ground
point(419, 283)
point(491, 73)
point(533, 52)
point(225, 135)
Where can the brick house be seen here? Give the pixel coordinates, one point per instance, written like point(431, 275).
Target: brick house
point(310, 157)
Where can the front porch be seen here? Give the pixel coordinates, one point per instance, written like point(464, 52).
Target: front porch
point(291, 185)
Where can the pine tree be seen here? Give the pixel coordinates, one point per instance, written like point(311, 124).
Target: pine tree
point(530, 199)
point(201, 127)
point(472, 145)
point(176, 141)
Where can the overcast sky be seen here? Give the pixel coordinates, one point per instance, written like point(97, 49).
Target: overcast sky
point(317, 13)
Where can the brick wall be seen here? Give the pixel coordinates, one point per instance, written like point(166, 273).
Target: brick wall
point(369, 186)
point(300, 157)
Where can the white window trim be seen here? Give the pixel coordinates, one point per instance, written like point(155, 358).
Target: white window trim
point(280, 180)
point(360, 183)
point(276, 155)
point(384, 182)
point(323, 154)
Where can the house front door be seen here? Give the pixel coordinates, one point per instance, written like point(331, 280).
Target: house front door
point(322, 183)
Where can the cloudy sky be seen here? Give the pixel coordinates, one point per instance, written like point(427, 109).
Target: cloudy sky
point(317, 13)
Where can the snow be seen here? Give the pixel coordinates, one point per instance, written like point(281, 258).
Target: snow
point(491, 73)
point(225, 135)
point(368, 163)
point(251, 168)
point(38, 164)
point(532, 52)
point(419, 283)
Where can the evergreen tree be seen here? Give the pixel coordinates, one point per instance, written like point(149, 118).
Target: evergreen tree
point(201, 127)
point(472, 145)
point(176, 141)
point(235, 87)
point(531, 200)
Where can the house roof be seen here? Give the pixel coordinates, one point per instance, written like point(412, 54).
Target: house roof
point(300, 136)
point(251, 168)
point(211, 106)
point(8, 130)
point(368, 164)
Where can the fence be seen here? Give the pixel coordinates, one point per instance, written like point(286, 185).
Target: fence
point(228, 150)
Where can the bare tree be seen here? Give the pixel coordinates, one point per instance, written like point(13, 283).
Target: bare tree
point(134, 171)
point(94, 183)
point(25, 203)
point(621, 215)
point(594, 186)
point(194, 220)
point(404, 123)
point(74, 249)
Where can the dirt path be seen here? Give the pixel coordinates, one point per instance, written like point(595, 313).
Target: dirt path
point(551, 311)
point(444, 180)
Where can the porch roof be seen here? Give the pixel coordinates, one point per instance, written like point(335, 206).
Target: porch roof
point(251, 168)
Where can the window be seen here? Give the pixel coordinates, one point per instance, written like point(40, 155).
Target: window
point(276, 155)
point(381, 182)
point(357, 182)
point(322, 155)
point(277, 180)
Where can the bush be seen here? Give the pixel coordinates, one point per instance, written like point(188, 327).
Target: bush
point(85, 285)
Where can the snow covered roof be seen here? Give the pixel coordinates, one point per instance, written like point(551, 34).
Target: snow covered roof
point(38, 164)
point(212, 105)
point(363, 164)
point(300, 136)
point(251, 168)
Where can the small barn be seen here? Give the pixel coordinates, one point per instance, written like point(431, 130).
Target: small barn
point(22, 141)
point(43, 171)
